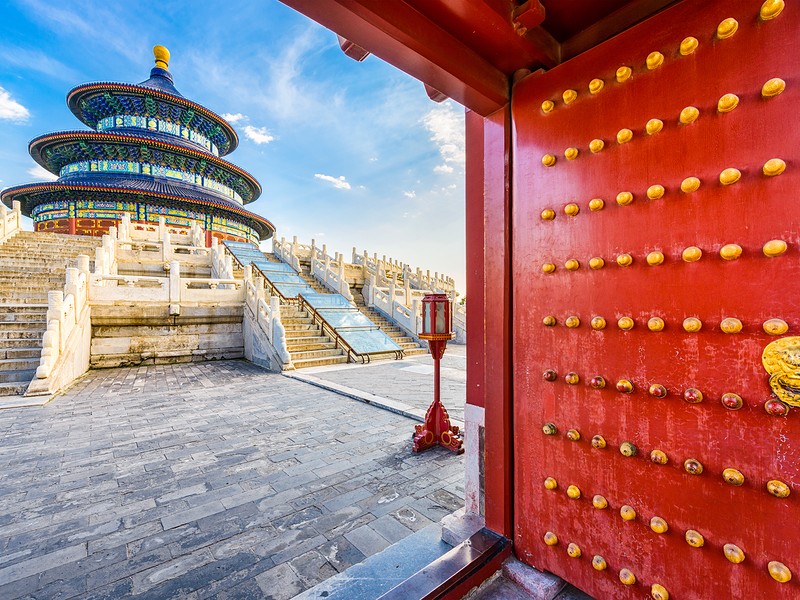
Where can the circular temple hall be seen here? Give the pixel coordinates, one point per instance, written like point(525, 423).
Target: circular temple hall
point(151, 153)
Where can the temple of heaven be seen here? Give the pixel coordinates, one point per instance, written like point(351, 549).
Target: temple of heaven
point(151, 153)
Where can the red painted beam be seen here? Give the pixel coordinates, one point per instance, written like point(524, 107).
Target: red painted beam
point(405, 38)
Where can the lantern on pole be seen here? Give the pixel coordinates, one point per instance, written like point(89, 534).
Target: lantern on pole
point(437, 328)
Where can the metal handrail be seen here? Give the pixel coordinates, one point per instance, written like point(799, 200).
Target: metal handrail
point(330, 331)
point(270, 287)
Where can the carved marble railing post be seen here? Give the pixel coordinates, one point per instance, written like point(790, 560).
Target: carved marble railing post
point(166, 248)
point(55, 308)
point(82, 263)
point(416, 310)
point(125, 228)
point(175, 288)
point(391, 295)
point(10, 223)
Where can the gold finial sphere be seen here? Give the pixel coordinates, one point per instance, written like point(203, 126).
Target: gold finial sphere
point(162, 57)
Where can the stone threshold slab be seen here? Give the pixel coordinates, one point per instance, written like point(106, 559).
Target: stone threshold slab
point(24, 401)
point(381, 572)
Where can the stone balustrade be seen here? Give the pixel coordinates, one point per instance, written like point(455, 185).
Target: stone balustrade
point(265, 335)
point(172, 290)
point(65, 312)
point(288, 252)
point(331, 276)
point(10, 221)
point(67, 341)
point(221, 261)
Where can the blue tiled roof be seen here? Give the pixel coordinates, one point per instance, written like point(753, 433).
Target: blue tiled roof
point(161, 79)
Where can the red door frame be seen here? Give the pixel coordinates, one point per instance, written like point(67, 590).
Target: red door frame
point(489, 344)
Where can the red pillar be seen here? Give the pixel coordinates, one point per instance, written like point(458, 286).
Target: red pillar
point(496, 309)
point(208, 238)
point(72, 225)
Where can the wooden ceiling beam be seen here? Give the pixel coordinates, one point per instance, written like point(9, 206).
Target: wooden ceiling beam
point(613, 24)
point(400, 35)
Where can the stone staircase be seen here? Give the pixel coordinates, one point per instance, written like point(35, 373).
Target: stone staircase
point(400, 337)
point(305, 341)
point(31, 264)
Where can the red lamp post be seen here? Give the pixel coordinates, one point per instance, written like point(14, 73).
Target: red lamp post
point(437, 329)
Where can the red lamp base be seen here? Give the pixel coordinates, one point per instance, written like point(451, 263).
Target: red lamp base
point(437, 431)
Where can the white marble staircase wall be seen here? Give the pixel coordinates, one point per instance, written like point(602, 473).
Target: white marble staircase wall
point(210, 310)
point(165, 319)
point(264, 333)
point(10, 221)
point(66, 343)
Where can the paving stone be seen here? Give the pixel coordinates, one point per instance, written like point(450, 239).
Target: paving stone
point(411, 518)
point(192, 514)
point(312, 568)
point(390, 528)
point(341, 553)
point(213, 480)
point(367, 540)
point(280, 583)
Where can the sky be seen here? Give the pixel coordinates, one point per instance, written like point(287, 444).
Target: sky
point(347, 153)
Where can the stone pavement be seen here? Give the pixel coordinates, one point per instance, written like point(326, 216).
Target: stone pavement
point(403, 385)
point(206, 480)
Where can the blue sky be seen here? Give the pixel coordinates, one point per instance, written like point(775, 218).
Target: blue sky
point(347, 153)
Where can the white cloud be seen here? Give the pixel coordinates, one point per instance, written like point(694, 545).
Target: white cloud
point(234, 118)
point(411, 194)
point(340, 183)
point(446, 126)
point(38, 172)
point(10, 109)
point(259, 135)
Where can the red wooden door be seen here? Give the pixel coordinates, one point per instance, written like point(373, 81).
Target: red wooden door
point(649, 285)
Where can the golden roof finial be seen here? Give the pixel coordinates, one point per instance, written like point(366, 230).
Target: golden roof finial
point(162, 57)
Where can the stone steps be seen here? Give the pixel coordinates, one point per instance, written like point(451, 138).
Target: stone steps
point(31, 313)
point(296, 328)
point(31, 264)
point(15, 388)
point(296, 348)
point(24, 299)
point(311, 332)
point(16, 343)
point(326, 353)
point(319, 362)
point(20, 375)
point(398, 334)
point(22, 352)
point(22, 308)
point(19, 334)
point(308, 339)
point(24, 324)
